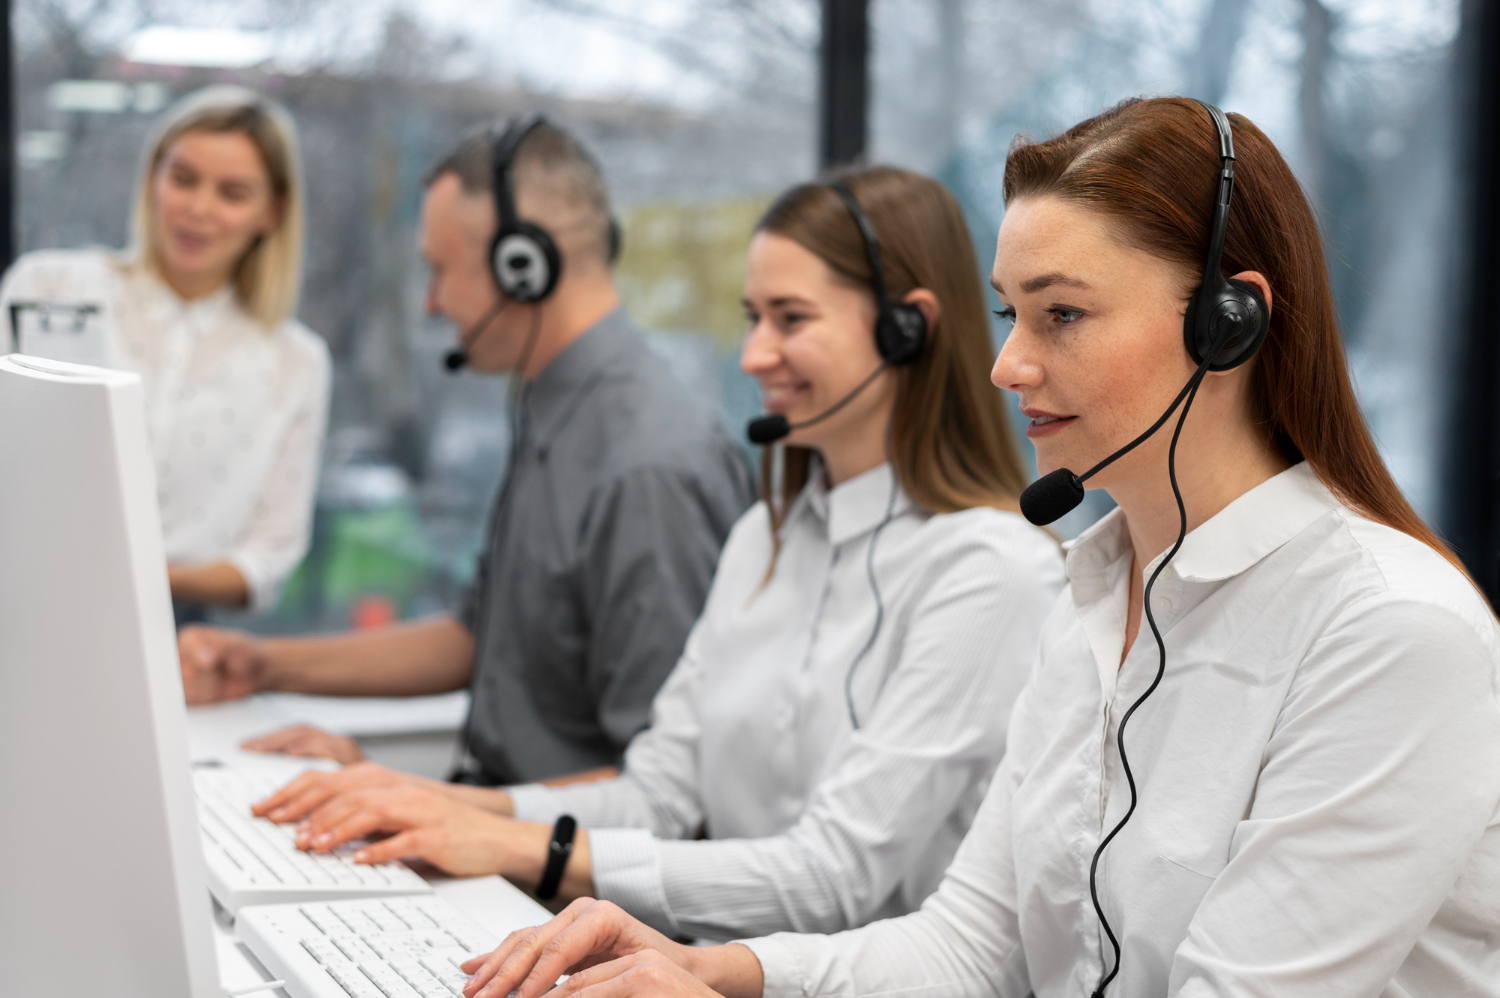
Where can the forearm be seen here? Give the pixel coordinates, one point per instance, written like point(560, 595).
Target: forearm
point(500, 801)
point(430, 656)
point(219, 583)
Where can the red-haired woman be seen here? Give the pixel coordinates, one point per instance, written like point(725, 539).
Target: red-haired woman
point(1319, 767)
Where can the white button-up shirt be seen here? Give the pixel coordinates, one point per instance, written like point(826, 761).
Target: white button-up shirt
point(1319, 780)
point(236, 412)
point(813, 825)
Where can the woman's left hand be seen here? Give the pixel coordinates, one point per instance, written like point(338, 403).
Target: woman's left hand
point(428, 825)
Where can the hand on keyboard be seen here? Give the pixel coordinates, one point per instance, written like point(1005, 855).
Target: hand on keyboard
point(312, 790)
point(596, 942)
point(307, 742)
point(426, 824)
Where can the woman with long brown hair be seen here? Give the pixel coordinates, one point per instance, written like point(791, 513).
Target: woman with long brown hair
point(816, 755)
point(1311, 802)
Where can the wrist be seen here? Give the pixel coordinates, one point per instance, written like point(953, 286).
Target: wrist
point(524, 850)
point(269, 663)
point(732, 970)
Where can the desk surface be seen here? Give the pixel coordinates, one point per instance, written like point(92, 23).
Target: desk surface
point(215, 733)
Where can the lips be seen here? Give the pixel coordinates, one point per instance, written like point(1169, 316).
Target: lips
point(777, 398)
point(1044, 424)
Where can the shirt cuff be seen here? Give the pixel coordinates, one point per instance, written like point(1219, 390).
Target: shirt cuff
point(627, 871)
point(534, 802)
point(778, 965)
point(264, 590)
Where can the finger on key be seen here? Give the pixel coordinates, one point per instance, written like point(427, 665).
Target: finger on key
point(286, 793)
point(503, 972)
point(357, 815)
point(396, 847)
point(296, 805)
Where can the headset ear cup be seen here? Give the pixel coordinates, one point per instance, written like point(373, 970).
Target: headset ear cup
point(1211, 308)
point(900, 334)
point(525, 262)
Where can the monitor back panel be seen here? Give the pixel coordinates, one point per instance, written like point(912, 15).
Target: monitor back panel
point(101, 878)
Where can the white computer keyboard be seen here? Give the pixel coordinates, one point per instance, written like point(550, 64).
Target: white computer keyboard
point(380, 948)
point(256, 861)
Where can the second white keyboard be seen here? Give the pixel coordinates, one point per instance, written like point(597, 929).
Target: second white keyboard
point(256, 861)
point(392, 948)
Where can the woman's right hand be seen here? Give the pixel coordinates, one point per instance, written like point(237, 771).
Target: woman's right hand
point(603, 948)
point(219, 665)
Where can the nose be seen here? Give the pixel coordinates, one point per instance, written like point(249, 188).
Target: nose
point(200, 200)
point(1017, 368)
point(430, 302)
point(762, 351)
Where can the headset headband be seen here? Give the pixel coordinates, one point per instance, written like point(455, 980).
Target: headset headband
point(872, 245)
point(1213, 262)
point(501, 161)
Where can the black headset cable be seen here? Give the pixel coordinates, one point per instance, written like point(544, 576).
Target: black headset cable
point(1191, 391)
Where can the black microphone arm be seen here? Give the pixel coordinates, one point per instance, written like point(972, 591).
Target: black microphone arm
point(773, 426)
point(457, 359)
point(1059, 492)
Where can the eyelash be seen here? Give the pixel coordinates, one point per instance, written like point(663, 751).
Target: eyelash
point(1057, 312)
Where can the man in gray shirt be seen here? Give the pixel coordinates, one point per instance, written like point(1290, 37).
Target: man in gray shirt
point(604, 536)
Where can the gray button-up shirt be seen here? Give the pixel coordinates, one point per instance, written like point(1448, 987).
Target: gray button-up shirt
point(601, 548)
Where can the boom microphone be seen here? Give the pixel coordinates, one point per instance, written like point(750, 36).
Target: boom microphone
point(457, 359)
point(1059, 492)
point(773, 426)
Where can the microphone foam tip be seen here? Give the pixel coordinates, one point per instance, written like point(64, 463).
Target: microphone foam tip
point(768, 429)
point(1051, 497)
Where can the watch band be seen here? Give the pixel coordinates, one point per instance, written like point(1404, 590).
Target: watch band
point(558, 852)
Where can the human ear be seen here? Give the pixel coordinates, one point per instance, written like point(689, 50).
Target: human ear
point(927, 303)
point(1262, 285)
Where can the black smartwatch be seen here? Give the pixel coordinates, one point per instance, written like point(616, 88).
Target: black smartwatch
point(558, 852)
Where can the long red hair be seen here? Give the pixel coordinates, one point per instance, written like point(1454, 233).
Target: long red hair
point(1152, 166)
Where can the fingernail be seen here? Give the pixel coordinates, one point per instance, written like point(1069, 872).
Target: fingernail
point(323, 839)
point(361, 856)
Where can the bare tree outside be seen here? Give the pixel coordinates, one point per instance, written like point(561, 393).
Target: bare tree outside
point(700, 110)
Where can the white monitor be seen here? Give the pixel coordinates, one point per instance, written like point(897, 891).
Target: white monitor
point(101, 873)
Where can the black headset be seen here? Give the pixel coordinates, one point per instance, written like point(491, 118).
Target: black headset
point(1233, 310)
point(900, 329)
point(523, 256)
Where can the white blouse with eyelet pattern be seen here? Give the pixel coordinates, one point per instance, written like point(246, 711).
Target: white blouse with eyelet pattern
point(1319, 778)
point(236, 412)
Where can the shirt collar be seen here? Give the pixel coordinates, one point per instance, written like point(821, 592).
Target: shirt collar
point(857, 506)
point(1254, 525)
point(206, 312)
point(561, 386)
point(1229, 542)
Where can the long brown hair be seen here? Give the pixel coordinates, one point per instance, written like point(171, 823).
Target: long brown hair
point(1152, 167)
point(950, 443)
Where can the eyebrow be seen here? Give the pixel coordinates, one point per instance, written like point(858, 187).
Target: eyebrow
point(782, 302)
point(1035, 284)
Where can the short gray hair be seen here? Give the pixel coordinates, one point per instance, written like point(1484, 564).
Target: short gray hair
point(553, 168)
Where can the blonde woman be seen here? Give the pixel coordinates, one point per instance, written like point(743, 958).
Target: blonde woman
point(201, 306)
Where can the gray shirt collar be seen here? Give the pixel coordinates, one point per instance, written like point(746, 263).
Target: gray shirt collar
point(555, 394)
